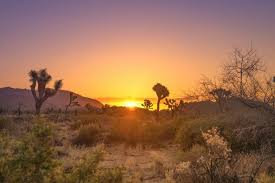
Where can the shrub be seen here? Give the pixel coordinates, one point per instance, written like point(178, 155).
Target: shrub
point(128, 131)
point(111, 175)
point(218, 164)
point(85, 169)
point(6, 147)
point(264, 178)
point(250, 138)
point(156, 133)
point(32, 159)
point(189, 132)
point(4, 123)
point(135, 131)
point(88, 135)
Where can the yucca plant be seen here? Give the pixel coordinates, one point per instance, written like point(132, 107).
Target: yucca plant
point(162, 92)
point(40, 79)
point(174, 106)
point(147, 104)
point(72, 102)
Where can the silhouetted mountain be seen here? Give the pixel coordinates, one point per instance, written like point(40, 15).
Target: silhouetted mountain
point(11, 97)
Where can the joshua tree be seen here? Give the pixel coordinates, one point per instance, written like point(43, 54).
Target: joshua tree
point(221, 96)
point(161, 92)
point(41, 79)
point(174, 106)
point(72, 102)
point(147, 104)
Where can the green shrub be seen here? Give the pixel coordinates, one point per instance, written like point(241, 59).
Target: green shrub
point(156, 133)
point(134, 131)
point(265, 178)
point(32, 159)
point(6, 149)
point(85, 170)
point(4, 123)
point(111, 175)
point(128, 131)
point(189, 132)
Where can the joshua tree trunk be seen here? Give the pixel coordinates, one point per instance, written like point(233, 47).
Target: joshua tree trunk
point(38, 106)
point(157, 112)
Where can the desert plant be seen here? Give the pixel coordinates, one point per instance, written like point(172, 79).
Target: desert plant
point(110, 175)
point(250, 138)
point(85, 170)
point(40, 79)
point(147, 104)
point(4, 123)
point(162, 92)
point(220, 96)
point(219, 164)
point(72, 102)
point(174, 106)
point(88, 135)
point(32, 159)
point(265, 178)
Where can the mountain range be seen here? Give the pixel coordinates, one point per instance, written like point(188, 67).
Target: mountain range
point(10, 98)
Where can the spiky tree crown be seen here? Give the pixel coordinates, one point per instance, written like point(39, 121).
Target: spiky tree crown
point(161, 91)
point(40, 79)
point(147, 104)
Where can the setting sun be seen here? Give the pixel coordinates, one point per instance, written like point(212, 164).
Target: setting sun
point(130, 104)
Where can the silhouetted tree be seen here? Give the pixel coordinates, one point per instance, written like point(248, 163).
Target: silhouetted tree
point(40, 79)
point(174, 106)
point(220, 96)
point(162, 92)
point(72, 102)
point(241, 71)
point(147, 104)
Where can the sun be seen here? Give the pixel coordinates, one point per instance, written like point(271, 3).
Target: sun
point(130, 104)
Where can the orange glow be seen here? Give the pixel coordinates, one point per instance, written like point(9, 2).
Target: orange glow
point(130, 104)
point(121, 49)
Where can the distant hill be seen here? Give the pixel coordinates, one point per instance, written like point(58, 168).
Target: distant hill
point(11, 97)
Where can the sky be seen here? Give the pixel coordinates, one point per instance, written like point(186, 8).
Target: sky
point(121, 48)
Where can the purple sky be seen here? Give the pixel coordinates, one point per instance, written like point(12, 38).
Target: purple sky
point(121, 48)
